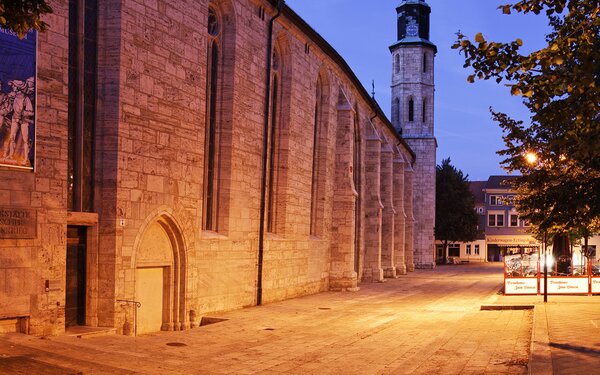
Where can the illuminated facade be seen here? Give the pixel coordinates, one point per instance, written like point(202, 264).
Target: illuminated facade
point(182, 164)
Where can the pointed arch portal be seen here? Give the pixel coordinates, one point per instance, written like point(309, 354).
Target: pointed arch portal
point(160, 269)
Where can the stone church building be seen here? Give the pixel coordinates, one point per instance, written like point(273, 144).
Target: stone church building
point(200, 156)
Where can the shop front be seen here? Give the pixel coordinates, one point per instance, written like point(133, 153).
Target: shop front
point(577, 275)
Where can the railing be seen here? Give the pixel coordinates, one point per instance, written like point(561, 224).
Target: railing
point(136, 306)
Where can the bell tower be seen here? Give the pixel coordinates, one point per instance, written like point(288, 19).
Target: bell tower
point(412, 115)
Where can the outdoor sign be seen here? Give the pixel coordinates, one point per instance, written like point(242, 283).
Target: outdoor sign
point(595, 284)
point(17, 99)
point(511, 240)
point(566, 285)
point(521, 285)
point(18, 222)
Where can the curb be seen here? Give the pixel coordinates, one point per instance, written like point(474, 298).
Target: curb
point(540, 357)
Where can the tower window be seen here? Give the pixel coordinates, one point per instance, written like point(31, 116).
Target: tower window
point(397, 64)
point(424, 63)
point(424, 110)
point(411, 109)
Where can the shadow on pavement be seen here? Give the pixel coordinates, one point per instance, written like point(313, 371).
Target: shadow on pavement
point(576, 348)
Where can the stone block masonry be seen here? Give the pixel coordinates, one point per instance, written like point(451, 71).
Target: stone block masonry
point(178, 136)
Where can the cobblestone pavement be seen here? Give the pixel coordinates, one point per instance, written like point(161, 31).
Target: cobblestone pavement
point(428, 322)
point(566, 335)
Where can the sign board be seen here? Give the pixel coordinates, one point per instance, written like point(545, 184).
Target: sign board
point(16, 222)
point(521, 285)
point(566, 285)
point(595, 284)
point(17, 99)
point(511, 240)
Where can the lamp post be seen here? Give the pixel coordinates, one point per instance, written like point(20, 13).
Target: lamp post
point(545, 267)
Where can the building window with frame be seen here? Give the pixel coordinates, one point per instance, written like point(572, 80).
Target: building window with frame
point(397, 63)
point(273, 142)
point(496, 219)
point(454, 250)
point(82, 70)
point(513, 220)
point(468, 249)
point(476, 249)
point(424, 113)
point(496, 200)
point(316, 162)
point(411, 110)
point(211, 141)
point(525, 222)
point(425, 63)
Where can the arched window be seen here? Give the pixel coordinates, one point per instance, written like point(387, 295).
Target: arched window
point(424, 110)
point(211, 174)
point(356, 164)
point(411, 109)
point(274, 141)
point(315, 186)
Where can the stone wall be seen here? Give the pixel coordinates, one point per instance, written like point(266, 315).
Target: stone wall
point(150, 166)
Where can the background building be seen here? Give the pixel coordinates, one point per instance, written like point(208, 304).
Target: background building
point(503, 231)
point(198, 156)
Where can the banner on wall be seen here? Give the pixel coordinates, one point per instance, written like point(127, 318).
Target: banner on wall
point(17, 99)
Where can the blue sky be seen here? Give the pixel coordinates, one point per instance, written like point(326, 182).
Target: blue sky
point(362, 30)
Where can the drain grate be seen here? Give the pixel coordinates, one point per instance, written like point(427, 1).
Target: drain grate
point(506, 307)
point(176, 344)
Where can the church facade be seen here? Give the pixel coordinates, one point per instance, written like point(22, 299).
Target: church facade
point(183, 158)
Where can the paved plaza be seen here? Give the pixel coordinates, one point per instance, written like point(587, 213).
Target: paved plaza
point(428, 323)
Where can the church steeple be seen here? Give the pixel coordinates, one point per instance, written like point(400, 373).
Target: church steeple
point(413, 23)
point(413, 90)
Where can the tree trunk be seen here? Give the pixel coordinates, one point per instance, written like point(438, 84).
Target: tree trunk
point(445, 251)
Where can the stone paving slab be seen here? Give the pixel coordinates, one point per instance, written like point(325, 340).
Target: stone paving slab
point(566, 336)
point(428, 322)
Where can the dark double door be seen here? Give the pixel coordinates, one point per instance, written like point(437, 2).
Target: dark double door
point(76, 276)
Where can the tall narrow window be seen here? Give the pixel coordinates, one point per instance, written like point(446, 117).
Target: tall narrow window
point(424, 112)
point(411, 109)
point(397, 115)
point(316, 160)
point(211, 175)
point(425, 63)
point(273, 144)
point(356, 164)
point(83, 16)
point(397, 63)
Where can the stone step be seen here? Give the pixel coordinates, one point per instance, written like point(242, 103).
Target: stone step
point(87, 332)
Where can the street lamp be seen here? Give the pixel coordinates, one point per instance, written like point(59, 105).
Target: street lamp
point(532, 159)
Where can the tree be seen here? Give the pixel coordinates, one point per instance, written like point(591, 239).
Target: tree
point(21, 16)
point(560, 86)
point(455, 217)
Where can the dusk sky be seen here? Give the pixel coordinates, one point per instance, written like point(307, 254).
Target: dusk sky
point(361, 31)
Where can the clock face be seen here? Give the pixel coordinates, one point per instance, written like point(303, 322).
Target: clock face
point(412, 29)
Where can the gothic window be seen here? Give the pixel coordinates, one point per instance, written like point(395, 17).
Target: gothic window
point(411, 110)
point(274, 136)
point(82, 103)
point(213, 22)
point(211, 173)
point(356, 164)
point(315, 188)
point(397, 113)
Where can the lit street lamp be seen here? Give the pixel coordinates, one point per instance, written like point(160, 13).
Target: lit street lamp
point(532, 159)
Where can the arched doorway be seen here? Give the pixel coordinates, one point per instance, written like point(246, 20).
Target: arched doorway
point(160, 278)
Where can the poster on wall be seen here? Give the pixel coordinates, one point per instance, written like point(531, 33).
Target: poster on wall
point(17, 99)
